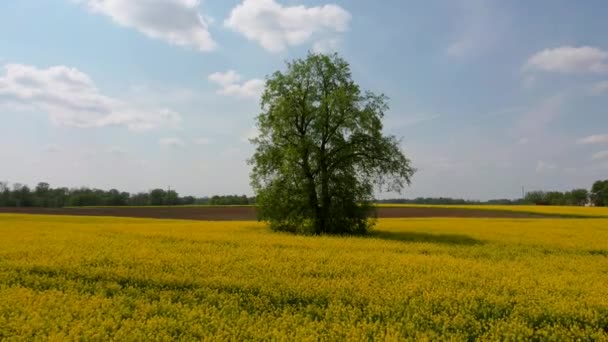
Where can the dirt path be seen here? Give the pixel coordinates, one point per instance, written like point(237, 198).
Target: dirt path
point(237, 213)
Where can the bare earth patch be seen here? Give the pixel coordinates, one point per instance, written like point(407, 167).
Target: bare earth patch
point(247, 213)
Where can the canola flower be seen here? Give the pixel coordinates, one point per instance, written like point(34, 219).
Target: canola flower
point(571, 211)
point(94, 278)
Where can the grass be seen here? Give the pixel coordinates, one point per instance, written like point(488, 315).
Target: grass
point(99, 278)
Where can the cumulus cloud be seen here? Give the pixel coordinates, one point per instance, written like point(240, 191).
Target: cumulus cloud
point(600, 155)
point(568, 59)
point(594, 139)
point(71, 98)
point(177, 22)
point(231, 85)
point(172, 142)
point(276, 27)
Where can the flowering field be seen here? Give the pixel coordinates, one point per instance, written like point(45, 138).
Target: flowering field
point(140, 279)
point(533, 209)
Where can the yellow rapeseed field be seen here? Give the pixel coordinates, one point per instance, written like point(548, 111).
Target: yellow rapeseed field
point(95, 278)
point(534, 209)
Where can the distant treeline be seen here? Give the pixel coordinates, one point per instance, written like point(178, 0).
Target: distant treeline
point(576, 197)
point(227, 200)
point(43, 195)
point(19, 195)
point(450, 201)
point(598, 196)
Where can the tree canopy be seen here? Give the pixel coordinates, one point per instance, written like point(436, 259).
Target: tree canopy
point(599, 193)
point(321, 152)
point(577, 197)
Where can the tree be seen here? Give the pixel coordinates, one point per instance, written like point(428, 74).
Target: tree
point(536, 197)
point(114, 197)
point(5, 194)
point(187, 200)
point(140, 199)
point(578, 197)
point(22, 195)
point(599, 193)
point(42, 192)
point(171, 197)
point(320, 152)
point(158, 197)
point(555, 198)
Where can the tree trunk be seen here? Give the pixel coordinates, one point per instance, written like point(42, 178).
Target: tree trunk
point(312, 194)
point(325, 202)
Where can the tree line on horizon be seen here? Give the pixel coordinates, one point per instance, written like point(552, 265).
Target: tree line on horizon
point(43, 195)
point(576, 197)
point(598, 196)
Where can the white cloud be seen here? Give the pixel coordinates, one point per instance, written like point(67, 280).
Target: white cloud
point(523, 141)
point(230, 85)
point(276, 27)
point(178, 22)
point(70, 98)
point(600, 155)
point(542, 166)
point(594, 139)
point(172, 142)
point(568, 59)
point(225, 78)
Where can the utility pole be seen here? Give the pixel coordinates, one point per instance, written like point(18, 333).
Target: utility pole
point(169, 195)
point(523, 192)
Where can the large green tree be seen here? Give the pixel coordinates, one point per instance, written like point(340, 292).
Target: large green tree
point(321, 152)
point(599, 193)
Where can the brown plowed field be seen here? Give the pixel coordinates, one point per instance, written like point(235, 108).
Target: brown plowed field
point(246, 213)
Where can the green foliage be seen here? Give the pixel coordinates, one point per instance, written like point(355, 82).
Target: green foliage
point(576, 197)
point(599, 193)
point(46, 196)
point(321, 152)
point(230, 200)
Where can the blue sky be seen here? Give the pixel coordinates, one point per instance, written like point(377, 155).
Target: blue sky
point(488, 96)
